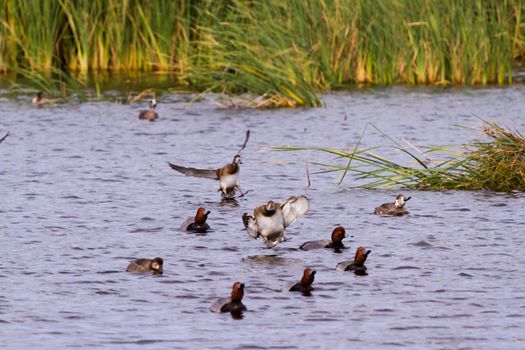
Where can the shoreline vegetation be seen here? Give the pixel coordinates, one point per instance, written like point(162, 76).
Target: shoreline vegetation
point(496, 164)
point(283, 52)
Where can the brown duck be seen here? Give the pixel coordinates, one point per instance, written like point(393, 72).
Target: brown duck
point(151, 114)
point(232, 304)
point(228, 175)
point(358, 264)
point(336, 242)
point(395, 209)
point(146, 265)
point(197, 223)
point(304, 285)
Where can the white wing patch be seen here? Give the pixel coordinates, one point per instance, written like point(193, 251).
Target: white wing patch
point(294, 207)
point(251, 226)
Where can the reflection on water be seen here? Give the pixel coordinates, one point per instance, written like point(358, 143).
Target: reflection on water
point(87, 188)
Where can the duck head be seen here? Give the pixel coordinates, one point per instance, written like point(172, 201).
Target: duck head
point(360, 255)
point(153, 103)
point(38, 98)
point(237, 292)
point(156, 264)
point(269, 208)
point(338, 234)
point(237, 159)
point(308, 277)
point(400, 201)
point(201, 216)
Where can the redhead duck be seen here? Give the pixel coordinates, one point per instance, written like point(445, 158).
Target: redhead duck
point(228, 175)
point(358, 264)
point(198, 223)
point(304, 285)
point(232, 304)
point(336, 243)
point(395, 209)
point(41, 99)
point(146, 265)
point(150, 115)
point(269, 220)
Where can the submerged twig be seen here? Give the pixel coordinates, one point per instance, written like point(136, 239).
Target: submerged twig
point(4, 137)
point(307, 172)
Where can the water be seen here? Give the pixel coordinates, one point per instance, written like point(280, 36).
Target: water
point(86, 188)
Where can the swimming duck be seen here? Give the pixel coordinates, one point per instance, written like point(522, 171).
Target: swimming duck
point(396, 208)
point(358, 264)
point(41, 99)
point(198, 223)
point(146, 265)
point(304, 285)
point(232, 304)
point(150, 115)
point(269, 220)
point(336, 243)
point(228, 175)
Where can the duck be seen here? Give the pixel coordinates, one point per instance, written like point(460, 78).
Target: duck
point(271, 219)
point(358, 264)
point(197, 223)
point(395, 209)
point(41, 99)
point(151, 114)
point(304, 285)
point(146, 265)
point(228, 175)
point(336, 243)
point(233, 304)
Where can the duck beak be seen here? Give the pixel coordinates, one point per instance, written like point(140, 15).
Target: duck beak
point(407, 199)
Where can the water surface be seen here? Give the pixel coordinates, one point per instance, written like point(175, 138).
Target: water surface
point(86, 187)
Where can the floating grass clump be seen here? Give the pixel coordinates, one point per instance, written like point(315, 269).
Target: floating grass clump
point(497, 164)
point(287, 50)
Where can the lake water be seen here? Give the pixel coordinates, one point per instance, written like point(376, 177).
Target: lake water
point(85, 188)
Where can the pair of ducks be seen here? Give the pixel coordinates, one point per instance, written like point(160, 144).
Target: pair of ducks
point(150, 114)
point(234, 305)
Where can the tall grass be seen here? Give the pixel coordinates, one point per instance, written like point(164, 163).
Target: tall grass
point(496, 164)
point(287, 50)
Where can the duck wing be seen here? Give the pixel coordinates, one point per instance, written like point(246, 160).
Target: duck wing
point(343, 265)
point(294, 207)
point(206, 173)
point(310, 245)
point(251, 225)
point(219, 304)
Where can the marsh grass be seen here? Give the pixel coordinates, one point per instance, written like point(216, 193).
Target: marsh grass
point(497, 164)
point(288, 51)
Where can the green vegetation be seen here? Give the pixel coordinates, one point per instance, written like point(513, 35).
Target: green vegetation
point(286, 51)
point(497, 164)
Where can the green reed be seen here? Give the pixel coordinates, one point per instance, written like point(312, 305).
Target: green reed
point(496, 164)
point(286, 51)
